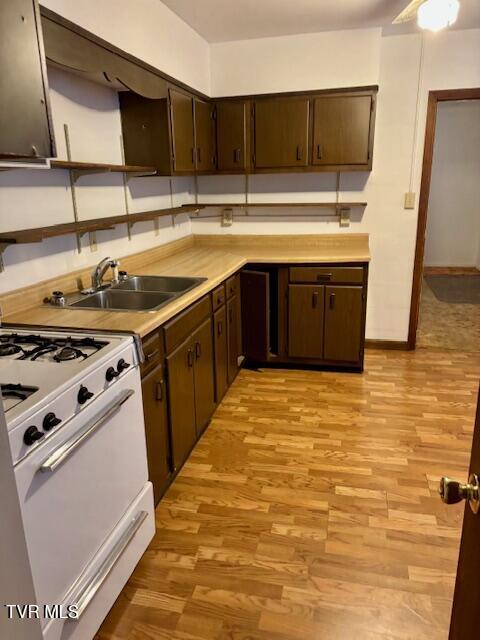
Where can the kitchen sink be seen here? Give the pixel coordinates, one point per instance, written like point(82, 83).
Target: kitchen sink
point(115, 300)
point(165, 284)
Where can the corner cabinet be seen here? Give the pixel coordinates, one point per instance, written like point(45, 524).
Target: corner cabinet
point(26, 129)
point(312, 314)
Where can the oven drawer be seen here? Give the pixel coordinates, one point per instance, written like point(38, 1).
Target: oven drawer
point(100, 584)
point(76, 487)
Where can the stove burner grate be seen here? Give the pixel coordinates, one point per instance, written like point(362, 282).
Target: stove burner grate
point(33, 347)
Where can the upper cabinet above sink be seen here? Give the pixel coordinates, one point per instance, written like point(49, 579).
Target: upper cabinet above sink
point(25, 126)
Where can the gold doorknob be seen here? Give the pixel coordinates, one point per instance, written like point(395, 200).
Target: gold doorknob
point(452, 492)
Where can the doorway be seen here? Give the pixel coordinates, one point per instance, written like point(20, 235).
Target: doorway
point(445, 307)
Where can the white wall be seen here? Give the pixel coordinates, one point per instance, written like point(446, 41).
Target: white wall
point(147, 29)
point(450, 59)
point(453, 222)
point(38, 198)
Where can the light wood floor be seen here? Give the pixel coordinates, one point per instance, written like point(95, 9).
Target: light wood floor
point(309, 510)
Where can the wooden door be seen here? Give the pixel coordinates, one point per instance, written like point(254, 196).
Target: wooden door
point(233, 324)
point(204, 136)
point(181, 401)
point(341, 130)
point(306, 304)
point(281, 132)
point(26, 130)
point(220, 352)
point(156, 430)
point(204, 375)
point(231, 136)
point(255, 313)
point(182, 131)
point(465, 621)
point(343, 323)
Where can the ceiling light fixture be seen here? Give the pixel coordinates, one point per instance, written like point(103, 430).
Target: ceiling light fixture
point(437, 14)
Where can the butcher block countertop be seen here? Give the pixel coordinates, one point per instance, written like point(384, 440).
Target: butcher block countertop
point(215, 257)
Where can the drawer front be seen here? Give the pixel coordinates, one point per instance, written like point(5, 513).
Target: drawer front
point(182, 326)
point(233, 286)
point(153, 352)
point(327, 274)
point(218, 297)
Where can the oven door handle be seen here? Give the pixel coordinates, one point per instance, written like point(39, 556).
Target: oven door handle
point(87, 592)
point(59, 456)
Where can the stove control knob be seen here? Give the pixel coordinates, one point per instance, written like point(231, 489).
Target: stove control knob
point(50, 421)
point(111, 374)
point(83, 395)
point(31, 435)
point(122, 365)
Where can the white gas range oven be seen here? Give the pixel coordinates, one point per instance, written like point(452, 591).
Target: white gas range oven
point(73, 406)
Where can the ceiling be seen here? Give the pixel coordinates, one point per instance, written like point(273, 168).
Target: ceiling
point(224, 20)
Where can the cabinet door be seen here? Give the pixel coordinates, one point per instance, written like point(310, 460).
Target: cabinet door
point(281, 132)
point(233, 322)
point(306, 304)
point(231, 136)
point(343, 323)
point(181, 400)
point(341, 130)
point(181, 122)
point(156, 430)
point(25, 126)
point(203, 370)
point(220, 351)
point(204, 136)
point(255, 313)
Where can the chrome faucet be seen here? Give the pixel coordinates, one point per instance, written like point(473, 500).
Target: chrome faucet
point(101, 269)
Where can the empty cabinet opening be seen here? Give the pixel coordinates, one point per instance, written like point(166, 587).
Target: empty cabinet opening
point(259, 287)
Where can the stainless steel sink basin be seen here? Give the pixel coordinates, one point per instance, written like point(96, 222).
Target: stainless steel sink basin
point(115, 300)
point(166, 284)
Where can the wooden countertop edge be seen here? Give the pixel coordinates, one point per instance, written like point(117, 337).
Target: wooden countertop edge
point(144, 323)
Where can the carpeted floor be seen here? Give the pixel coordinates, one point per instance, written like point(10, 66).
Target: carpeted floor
point(455, 289)
point(449, 325)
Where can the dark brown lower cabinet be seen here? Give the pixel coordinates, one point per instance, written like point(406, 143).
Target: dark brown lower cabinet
point(181, 397)
point(203, 375)
point(234, 329)
point(220, 351)
point(343, 323)
point(156, 430)
point(306, 305)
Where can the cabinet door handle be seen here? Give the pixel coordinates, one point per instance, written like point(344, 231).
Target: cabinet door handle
point(198, 350)
point(236, 155)
point(159, 391)
point(319, 151)
point(299, 152)
point(332, 301)
point(190, 358)
point(314, 299)
point(219, 328)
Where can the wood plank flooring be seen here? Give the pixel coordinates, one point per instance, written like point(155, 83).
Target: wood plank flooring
point(309, 509)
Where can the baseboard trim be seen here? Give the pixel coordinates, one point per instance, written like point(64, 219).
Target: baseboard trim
point(396, 345)
point(451, 271)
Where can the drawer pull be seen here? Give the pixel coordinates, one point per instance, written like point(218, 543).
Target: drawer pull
point(65, 450)
point(332, 301)
point(85, 595)
point(152, 354)
point(324, 276)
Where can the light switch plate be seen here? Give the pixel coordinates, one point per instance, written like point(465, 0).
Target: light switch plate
point(409, 200)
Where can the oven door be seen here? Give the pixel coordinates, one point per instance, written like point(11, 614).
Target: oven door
point(76, 488)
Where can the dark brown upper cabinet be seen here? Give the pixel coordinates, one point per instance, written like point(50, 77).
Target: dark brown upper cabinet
point(281, 132)
point(205, 154)
point(343, 130)
point(25, 125)
point(232, 119)
point(182, 132)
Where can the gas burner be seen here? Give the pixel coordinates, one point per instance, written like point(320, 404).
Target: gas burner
point(9, 349)
point(69, 353)
point(13, 394)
